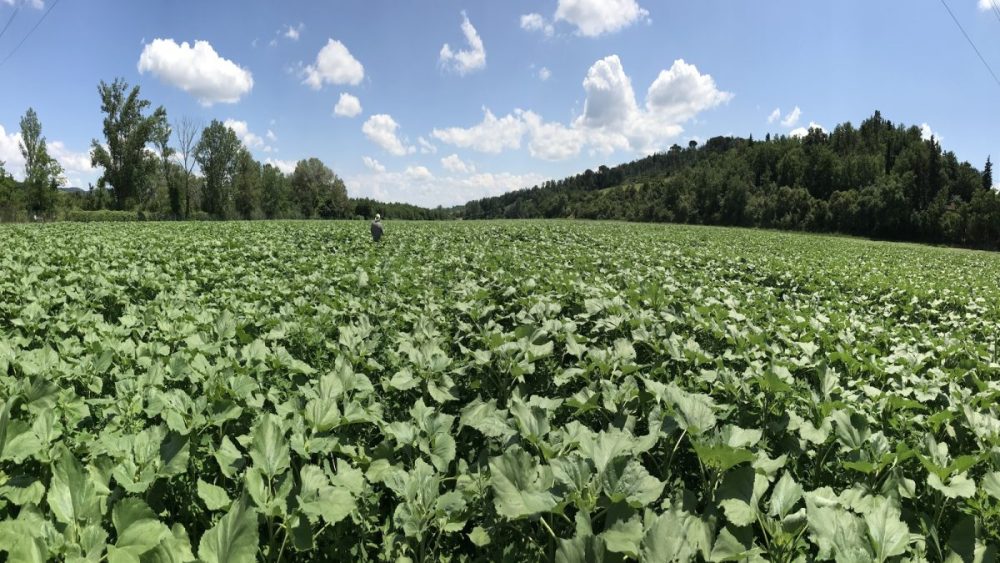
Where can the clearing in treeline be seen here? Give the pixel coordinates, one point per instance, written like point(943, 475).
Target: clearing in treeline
point(493, 391)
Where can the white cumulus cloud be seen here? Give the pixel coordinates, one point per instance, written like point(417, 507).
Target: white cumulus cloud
point(926, 133)
point(76, 165)
point(10, 152)
point(77, 170)
point(544, 73)
point(197, 69)
point(597, 17)
point(381, 130)
point(465, 61)
point(36, 4)
point(294, 33)
point(414, 186)
point(347, 106)
point(536, 22)
point(986, 5)
point(680, 93)
point(334, 65)
point(271, 136)
point(792, 118)
point(775, 115)
point(426, 147)
point(285, 166)
point(452, 163)
point(611, 119)
point(610, 98)
point(249, 138)
point(803, 131)
point(372, 164)
point(418, 173)
point(492, 135)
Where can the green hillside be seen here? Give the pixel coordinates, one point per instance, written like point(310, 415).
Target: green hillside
point(880, 179)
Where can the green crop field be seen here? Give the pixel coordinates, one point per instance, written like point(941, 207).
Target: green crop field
point(521, 391)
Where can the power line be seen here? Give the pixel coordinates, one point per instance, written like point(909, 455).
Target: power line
point(45, 15)
point(10, 19)
point(967, 38)
point(996, 10)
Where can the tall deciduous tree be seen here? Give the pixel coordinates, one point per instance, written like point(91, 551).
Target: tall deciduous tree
point(246, 186)
point(318, 191)
point(161, 140)
point(274, 193)
point(128, 167)
point(41, 172)
point(216, 154)
point(186, 131)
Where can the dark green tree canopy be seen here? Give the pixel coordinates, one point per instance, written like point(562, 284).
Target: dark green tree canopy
point(216, 155)
point(42, 173)
point(128, 165)
point(318, 191)
point(880, 179)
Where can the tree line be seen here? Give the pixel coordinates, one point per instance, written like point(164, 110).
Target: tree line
point(880, 180)
point(148, 168)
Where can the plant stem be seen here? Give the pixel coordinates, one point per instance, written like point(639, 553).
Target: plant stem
point(670, 460)
point(546, 525)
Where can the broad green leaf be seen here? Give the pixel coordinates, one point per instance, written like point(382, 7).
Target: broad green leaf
point(734, 545)
point(479, 537)
point(739, 495)
point(584, 547)
point(138, 529)
point(889, 535)
point(487, 419)
point(519, 485)
point(785, 495)
point(234, 537)
point(991, 484)
point(228, 457)
point(214, 497)
point(624, 537)
point(269, 450)
point(627, 480)
point(676, 536)
point(959, 486)
point(72, 496)
point(721, 456)
point(607, 446)
point(318, 499)
point(22, 490)
point(173, 549)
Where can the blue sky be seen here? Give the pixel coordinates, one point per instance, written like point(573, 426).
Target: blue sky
point(525, 90)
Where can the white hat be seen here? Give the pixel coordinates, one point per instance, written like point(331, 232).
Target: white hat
point(378, 217)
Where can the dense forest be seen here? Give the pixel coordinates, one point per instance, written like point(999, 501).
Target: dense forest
point(881, 179)
point(148, 172)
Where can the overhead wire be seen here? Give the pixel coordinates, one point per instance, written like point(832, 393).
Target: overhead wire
point(972, 43)
point(30, 32)
point(17, 8)
point(994, 8)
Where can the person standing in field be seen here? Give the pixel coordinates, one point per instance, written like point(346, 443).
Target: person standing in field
point(377, 228)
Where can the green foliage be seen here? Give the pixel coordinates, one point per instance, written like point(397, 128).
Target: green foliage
point(501, 391)
point(217, 153)
point(879, 180)
point(129, 169)
point(42, 173)
point(318, 192)
point(103, 215)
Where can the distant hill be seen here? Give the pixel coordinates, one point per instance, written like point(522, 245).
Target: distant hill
point(72, 190)
point(879, 179)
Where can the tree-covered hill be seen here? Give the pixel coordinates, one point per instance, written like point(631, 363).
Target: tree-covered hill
point(880, 179)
